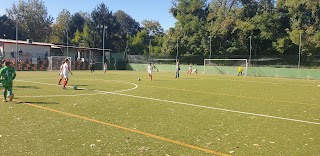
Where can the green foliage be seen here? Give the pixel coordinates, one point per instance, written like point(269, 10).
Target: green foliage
point(34, 21)
point(275, 27)
point(58, 34)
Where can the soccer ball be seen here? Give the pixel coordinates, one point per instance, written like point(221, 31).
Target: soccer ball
point(138, 79)
point(75, 87)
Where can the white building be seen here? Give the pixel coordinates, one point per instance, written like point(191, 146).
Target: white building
point(32, 50)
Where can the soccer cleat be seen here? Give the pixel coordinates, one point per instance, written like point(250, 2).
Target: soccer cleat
point(64, 88)
point(11, 96)
point(5, 101)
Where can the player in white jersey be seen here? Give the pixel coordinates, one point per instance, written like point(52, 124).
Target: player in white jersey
point(65, 72)
point(190, 69)
point(105, 67)
point(60, 73)
point(150, 69)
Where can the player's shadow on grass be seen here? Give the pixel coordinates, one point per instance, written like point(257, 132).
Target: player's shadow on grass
point(38, 103)
point(27, 87)
point(82, 85)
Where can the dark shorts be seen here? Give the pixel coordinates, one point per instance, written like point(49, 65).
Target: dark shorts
point(7, 86)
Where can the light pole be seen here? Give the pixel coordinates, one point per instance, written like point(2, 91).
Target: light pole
point(104, 27)
point(177, 49)
point(210, 47)
point(16, 57)
point(299, 50)
point(149, 48)
point(250, 49)
point(67, 43)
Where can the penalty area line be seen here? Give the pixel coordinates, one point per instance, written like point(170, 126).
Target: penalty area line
point(129, 129)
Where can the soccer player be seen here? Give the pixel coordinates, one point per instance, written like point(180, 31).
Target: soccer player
point(7, 74)
point(190, 69)
point(65, 71)
point(150, 69)
point(92, 66)
point(195, 71)
point(240, 70)
point(61, 73)
point(177, 69)
point(105, 67)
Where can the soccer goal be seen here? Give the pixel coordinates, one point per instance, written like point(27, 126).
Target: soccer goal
point(225, 66)
point(164, 64)
point(55, 62)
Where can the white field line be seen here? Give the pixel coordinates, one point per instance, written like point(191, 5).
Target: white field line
point(200, 106)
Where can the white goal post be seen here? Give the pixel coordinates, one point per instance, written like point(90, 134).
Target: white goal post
point(225, 66)
point(55, 62)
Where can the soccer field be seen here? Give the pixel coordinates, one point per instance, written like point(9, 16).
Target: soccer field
point(115, 114)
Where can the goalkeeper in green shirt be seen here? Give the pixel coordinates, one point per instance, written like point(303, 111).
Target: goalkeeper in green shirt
point(7, 75)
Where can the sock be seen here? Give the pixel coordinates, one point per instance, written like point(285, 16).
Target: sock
point(64, 83)
point(4, 94)
point(60, 80)
point(9, 92)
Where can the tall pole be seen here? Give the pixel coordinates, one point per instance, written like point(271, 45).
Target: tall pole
point(250, 49)
point(177, 49)
point(149, 48)
point(299, 51)
point(104, 31)
point(67, 44)
point(16, 57)
point(210, 47)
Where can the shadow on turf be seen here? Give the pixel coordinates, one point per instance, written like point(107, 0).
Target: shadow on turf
point(29, 87)
point(82, 85)
point(37, 103)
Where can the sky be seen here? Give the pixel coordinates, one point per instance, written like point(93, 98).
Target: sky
point(138, 9)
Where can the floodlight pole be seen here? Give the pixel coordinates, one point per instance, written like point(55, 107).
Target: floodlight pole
point(149, 48)
point(177, 49)
point(210, 47)
point(67, 43)
point(250, 49)
point(104, 35)
point(299, 51)
point(16, 57)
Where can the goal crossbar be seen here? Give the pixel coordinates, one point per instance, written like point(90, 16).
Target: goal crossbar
point(55, 62)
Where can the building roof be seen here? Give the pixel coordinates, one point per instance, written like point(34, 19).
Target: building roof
point(53, 46)
point(25, 42)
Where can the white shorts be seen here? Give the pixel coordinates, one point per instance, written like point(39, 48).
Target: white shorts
point(150, 72)
point(65, 75)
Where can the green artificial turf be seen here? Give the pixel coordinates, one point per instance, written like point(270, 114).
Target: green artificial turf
point(226, 114)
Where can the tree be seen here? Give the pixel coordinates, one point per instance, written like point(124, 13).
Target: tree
point(152, 27)
point(101, 16)
point(77, 22)
point(33, 18)
point(7, 28)
point(60, 27)
point(127, 23)
point(190, 29)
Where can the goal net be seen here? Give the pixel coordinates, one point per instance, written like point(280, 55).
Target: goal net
point(225, 66)
point(55, 62)
point(166, 64)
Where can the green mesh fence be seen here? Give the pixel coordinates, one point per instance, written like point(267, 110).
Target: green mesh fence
point(295, 73)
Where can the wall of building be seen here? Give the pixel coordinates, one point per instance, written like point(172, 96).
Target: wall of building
point(295, 73)
point(33, 50)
